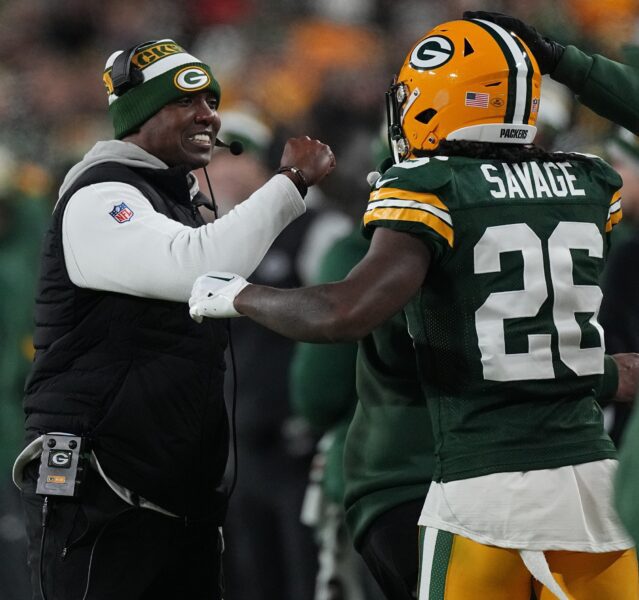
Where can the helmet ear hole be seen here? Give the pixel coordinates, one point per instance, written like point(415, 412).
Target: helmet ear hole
point(468, 49)
point(426, 115)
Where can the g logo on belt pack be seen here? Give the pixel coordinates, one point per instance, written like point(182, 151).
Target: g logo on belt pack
point(60, 459)
point(190, 79)
point(433, 52)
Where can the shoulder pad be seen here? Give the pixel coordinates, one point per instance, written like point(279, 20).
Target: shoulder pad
point(423, 174)
point(607, 173)
point(603, 171)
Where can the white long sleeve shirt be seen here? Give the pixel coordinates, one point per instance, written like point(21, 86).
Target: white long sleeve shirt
point(152, 256)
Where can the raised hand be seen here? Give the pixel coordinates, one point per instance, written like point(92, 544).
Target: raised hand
point(314, 158)
point(546, 51)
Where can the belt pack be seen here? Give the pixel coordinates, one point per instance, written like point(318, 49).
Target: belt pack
point(62, 464)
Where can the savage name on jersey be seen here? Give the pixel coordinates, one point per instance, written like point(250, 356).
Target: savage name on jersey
point(508, 368)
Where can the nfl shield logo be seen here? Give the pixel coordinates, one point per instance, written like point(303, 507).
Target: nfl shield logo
point(121, 213)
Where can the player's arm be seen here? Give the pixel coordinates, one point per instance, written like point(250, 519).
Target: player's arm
point(388, 276)
point(607, 87)
point(162, 257)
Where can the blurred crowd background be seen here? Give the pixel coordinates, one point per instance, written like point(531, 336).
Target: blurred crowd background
point(286, 68)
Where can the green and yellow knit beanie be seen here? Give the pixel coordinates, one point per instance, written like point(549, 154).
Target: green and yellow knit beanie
point(168, 73)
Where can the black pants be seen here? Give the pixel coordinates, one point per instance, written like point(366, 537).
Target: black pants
point(390, 550)
point(118, 551)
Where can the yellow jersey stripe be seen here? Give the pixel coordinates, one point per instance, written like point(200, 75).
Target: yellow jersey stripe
point(615, 213)
point(413, 215)
point(424, 198)
point(614, 218)
point(395, 203)
point(615, 197)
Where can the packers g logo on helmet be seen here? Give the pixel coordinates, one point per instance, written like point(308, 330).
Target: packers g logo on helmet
point(464, 80)
point(432, 52)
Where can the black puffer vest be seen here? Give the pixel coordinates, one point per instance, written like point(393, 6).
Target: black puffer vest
point(137, 376)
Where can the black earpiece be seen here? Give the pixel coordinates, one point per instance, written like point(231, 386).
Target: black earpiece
point(124, 74)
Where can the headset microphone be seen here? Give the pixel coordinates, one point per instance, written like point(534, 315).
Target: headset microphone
point(234, 147)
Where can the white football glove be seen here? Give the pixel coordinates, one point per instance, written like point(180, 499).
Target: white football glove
point(213, 294)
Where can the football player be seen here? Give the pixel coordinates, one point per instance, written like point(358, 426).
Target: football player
point(610, 89)
point(497, 247)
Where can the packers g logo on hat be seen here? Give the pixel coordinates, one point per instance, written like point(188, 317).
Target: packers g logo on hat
point(191, 79)
point(168, 73)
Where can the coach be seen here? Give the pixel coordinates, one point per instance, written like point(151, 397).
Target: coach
point(118, 360)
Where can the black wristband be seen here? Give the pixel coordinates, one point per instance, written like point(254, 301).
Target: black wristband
point(302, 184)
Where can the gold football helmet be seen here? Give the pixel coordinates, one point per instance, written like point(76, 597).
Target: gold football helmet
point(464, 80)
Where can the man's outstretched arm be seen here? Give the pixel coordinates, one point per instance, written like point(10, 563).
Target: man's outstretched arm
point(380, 285)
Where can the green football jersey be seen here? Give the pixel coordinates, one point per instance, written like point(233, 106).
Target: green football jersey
point(505, 326)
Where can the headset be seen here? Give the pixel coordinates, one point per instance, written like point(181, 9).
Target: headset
point(124, 74)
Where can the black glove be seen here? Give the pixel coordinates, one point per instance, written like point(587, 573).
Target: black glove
point(546, 51)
